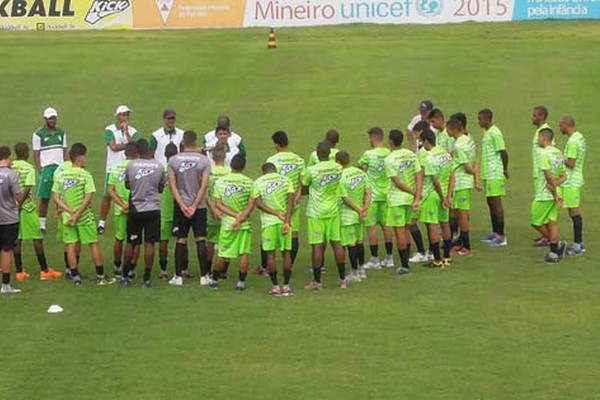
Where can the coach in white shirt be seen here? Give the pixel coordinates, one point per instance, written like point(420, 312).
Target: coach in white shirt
point(169, 133)
point(234, 142)
point(424, 109)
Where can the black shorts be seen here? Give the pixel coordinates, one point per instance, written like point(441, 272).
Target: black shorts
point(8, 236)
point(182, 225)
point(147, 222)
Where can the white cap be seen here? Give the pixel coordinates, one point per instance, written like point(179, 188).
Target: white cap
point(50, 112)
point(122, 110)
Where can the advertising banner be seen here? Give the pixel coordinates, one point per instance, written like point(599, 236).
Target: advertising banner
point(153, 14)
point(65, 14)
point(556, 9)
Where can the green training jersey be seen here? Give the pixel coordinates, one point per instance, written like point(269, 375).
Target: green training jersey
point(167, 201)
point(50, 145)
point(550, 159)
point(437, 162)
point(314, 160)
point(464, 152)
point(536, 149)
point(574, 149)
point(373, 160)
point(443, 140)
point(289, 164)
point(405, 165)
point(353, 185)
point(217, 172)
point(235, 191)
point(323, 181)
point(274, 191)
point(117, 179)
point(73, 184)
point(27, 177)
point(492, 145)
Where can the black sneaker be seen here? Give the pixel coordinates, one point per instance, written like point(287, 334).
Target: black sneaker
point(100, 229)
point(403, 271)
point(77, 280)
point(147, 284)
point(131, 275)
point(213, 285)
point(239, 289)
point(118, 272)
point(124, 281)
point(68, 275)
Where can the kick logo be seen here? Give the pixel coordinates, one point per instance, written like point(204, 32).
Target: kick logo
point(187, 165)
point(273, 186)
point(287, 168)
point(121, 176)
point(327, 179)
point(69, 183)
point(164, 8)
point(355, 182)
point(103, 8)
point(144, 172)
point(231, 190)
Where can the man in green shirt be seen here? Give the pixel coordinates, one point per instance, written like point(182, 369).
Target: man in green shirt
point(466, 175)
point(436, 119)
point(539, 116)
point(574, 155)
point(372, 162)
point(274, 196)
point(356, 197)
point(73, 192)
point(29, 223)
point(167, 204)
point(544, 209)
point(493, 172)
point(332, 137)
point(438, 187)
point(233, 196)
point(321, 182)
point(404, 194)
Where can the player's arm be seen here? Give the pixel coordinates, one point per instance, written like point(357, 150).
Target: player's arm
point(87, 200)
point(224, 209)
point(347, 201)
point(175, 191)
point(116, 198)
point(210, 204)
point(202, 192)
point(477, 177)
point(570, 163)
point(24, 196)
point(504, 157)
point(551, 184)
point(246, 213)
point(402, 186)
point(290, 208)
point(437, 186)
point(266, 209)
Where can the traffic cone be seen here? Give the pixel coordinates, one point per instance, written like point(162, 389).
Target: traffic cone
point(272, 44)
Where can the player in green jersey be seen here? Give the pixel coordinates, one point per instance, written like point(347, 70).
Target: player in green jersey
point(321, 183)
point(438, 187)
point(539, 116)
point(29, 223)
point(332, 137)
point(403, 171)
point(436, 119)
point(356, 197)
point(494, 173)
point(544, 209)
point(167, 202)
point(73, 193)
point(233, 196)
point(214, 215)
point(274, 196)
point(466, 175)
point(574, 155)
point(120, 195)
point(372, 163)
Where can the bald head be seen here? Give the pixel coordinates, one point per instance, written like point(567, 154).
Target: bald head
point(567, 125)
point(224, 121)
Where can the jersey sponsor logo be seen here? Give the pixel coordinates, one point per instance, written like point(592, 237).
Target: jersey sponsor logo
point(100, 9)
point(273, 186)
point(233, 189)
point(444, 160)
point(557, 163)
point(356, 182)
point(380, 167)
point(121, 177)
point(328, 178)
point(69, 183)
point(287, 168)
point(144, 172)
point(404, 165)
point(187, 165)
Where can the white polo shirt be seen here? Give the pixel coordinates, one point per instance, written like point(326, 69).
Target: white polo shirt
point(114, 133)
point(159, 140)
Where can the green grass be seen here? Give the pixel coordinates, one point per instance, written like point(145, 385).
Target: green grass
point(498, 325)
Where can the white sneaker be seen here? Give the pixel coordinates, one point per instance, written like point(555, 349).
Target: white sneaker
point(373, 263)
point(362, 272)
point(7, 289)
point(429, 256)
point(176, 281)
point(388, 262)
point(205, 280)
point(353, 277)
point(418, 258)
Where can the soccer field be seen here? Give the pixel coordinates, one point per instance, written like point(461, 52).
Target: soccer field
point(498, 325)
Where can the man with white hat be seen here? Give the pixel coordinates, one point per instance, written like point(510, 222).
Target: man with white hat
point(116, 136)
point(49, 145)
point(168, 133)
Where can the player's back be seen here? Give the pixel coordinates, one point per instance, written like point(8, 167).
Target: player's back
point(323, 180)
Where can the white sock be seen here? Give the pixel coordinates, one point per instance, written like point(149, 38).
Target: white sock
point(42, 223)
point(101, 223)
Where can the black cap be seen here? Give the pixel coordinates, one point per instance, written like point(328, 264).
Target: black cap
point(169, 113)
point(426, 105)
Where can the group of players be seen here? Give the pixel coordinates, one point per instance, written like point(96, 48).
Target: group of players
point(170, 184)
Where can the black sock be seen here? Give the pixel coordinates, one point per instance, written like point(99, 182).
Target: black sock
point(18, 263)
point(201, 252)
point(447, 248)
point(180, 257)
point(78, 259)
point(5, 278)
point(209, 266)
point(494, 223)
point(42, 261)
point(435, 249)
point(353, 255)
point(415, 232)
point(242, 276)
point(342, 270)
point(75, 272)
point(66, 261)
point(577, 228)
point(226, 267)
point(273, 276)
point(465, 241)
point(317, 274)
point(500, 227)
point(287, 275)
point(554, 248)
point(126, 269)
point(453, 225)
point(117, 263)
point(100, 270)
point(163, 264)
point(263, 258)
point(389, 248)
point(374, 250)
point(147, 273)
point(186, 258)
point(295, 247)
point(404, 256)
point(361, 254)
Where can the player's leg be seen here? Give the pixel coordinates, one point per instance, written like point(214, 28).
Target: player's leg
point(295, 233)
point(45, 271)
point(434, 244)
point(243, 248)
point(181, 229)
point(21, 274)
point(421, 254)
point(388, 235)
point(217, 271)
point(272, 271)
point(447, 240)
point(166, 232)
point(199, 228)
point(44, 202)
point(287, 273)
point(104, 207)
point(555, 251)
point(463, 224)
point(8, 239)
point(572, 197)
point(135, 224)
point(151, 228)
point(371, 222)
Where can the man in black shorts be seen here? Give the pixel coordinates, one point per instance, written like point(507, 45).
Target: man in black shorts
point(145, 178)
point(10, 194)
point(188, 179)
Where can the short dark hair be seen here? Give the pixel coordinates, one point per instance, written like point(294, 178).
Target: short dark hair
point(280, 138)
point(323, 151)
point(77, 149)
point(455, 124)
point(4, 152)
point(222, 127)
point(435, 113)
point(143, 147)
point(396, 136)
point(238, 163)
point(224, 120)
point(376, 131)
point(332, 136)
point(343, 157)
point(219, 152)
point(462, 117)
point(547, 133)
point(421, 126)
point(170, 150)
point(428, 136)
point(190, 138)
point(268, 168)
point(21, 149)
point(131, 149)
point(486, 113)
point(542, 109)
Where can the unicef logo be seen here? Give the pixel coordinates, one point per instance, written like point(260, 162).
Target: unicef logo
point(429, 8)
